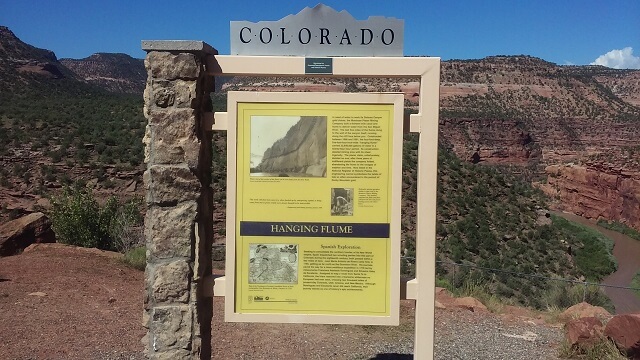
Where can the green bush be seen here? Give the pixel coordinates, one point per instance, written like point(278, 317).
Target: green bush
point(593, 250)
point(635, 283)
point(78, 219)
point(603, 349)
point(562, 295)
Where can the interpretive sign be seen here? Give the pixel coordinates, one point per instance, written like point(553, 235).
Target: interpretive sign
point(319, 31)
point(313, 218)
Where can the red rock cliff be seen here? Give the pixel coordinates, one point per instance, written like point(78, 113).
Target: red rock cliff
point(596, 190)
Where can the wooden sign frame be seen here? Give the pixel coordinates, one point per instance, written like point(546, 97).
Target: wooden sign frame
point(425, 122)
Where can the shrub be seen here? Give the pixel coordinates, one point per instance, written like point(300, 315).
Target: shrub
point(563, 295)
point(79, 220)
point(136, 258)
point(593, 250)
point(603, 349)
point(635, 283)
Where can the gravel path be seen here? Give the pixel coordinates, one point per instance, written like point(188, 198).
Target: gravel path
point(465, 336)
point(460, 334)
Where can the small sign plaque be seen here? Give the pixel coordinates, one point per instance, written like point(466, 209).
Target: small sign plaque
point(319, 31)
point(318, 66)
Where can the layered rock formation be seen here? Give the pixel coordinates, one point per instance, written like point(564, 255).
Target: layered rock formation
point(303, 150)
point(491, 141)
point(16, 235)
point(524, 111)
point(114, 72)
point(596, 190)
point(19, 62)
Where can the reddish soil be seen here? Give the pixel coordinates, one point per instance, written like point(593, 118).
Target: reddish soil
point(64, 302)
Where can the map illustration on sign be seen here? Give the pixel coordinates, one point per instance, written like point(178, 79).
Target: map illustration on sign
point(273, 264)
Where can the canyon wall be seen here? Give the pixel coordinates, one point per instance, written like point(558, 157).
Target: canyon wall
point(302, 152)
point(596, 190)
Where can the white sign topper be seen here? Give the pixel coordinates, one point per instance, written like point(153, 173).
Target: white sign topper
point(319, 31)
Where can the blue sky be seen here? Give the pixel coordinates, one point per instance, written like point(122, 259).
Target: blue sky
point(560, 31)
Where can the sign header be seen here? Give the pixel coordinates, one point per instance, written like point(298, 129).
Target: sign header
point(319, 31)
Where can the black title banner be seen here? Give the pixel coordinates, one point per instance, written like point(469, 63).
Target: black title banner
point(313, 229)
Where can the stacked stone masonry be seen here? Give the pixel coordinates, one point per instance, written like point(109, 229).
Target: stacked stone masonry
point(178, 223)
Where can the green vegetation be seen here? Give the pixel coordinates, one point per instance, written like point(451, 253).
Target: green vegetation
point(477, 290)
point(562, 295)
point(487, 217)
point(635, 283)
point(603, 349)
point(219, 169)
point(136, 258)
point(67, 119)
point(594, 258)
point(621, 228)
point(490, 219)
point(78, 219)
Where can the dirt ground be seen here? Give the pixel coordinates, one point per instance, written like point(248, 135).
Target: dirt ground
point(61, 302)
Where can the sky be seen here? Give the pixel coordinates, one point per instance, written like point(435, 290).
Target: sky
point(266, 130)
point(565, 32)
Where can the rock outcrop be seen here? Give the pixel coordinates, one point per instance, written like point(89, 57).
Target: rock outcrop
point(18, 234)
point(470, 304)
point(114, 72)
point(595, 190)
point(624, 330)
point(583, 332)
point(19, 61)
point(584, 310)
point(490, 141)
point(303, 150)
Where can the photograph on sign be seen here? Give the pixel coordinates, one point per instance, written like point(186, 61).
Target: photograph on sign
point(341, 201)
point(274, 138)
point(315, 205)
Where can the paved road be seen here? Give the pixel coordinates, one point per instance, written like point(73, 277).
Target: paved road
point(627, 252)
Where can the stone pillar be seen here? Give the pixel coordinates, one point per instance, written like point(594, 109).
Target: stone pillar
point(178, 223)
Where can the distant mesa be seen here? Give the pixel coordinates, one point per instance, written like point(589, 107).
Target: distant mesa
point(114, 72)
point(323, 10)
point(22, 63)
point(18, 58)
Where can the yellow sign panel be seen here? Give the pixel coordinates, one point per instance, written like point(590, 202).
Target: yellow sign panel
point(316, 228)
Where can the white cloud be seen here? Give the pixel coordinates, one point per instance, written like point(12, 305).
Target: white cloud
point(619, 59)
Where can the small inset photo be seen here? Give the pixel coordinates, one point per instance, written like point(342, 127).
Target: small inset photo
point(341, 201)
point(273, 263)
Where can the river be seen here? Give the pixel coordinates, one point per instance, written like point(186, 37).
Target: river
point(627, 252)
